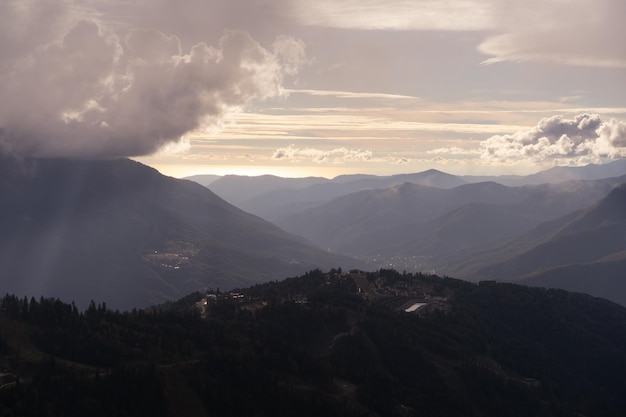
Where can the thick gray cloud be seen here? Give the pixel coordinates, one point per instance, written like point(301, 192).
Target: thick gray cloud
point(27, 24)
point(91, 92)
point(586, 137)
point(200, 20)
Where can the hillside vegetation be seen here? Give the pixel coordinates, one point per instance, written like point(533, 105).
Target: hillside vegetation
point(334, 343)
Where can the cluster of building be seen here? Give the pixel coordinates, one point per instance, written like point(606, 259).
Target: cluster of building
point(412, 294)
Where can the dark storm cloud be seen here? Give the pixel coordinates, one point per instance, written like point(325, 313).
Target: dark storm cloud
point(91, 92)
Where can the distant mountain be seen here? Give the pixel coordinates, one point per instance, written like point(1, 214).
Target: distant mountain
point(506, 228)
point(274, 198)
point(559, 174)
point(415, 220)
point(470, 225)
point(238, 189)
point(584, 252)
point(205, 179)
point(120, 232)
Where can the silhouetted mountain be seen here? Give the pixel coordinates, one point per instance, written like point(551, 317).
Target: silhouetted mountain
point(415, 220)
point(238, 189)
point(204, 179)
point(121, 232)
point(474, 231)
point(380, 344)
point(558, 174)
point(274, 198)
point(592, 241)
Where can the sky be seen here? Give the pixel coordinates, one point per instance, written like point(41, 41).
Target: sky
point(323, 88)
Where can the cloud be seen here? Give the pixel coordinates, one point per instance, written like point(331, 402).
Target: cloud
point(91, 93)
point(350, 94)
point(394, 15)
point(396, 160)
point(586, 137)
point(199, 20)
point(453, 150)
point(28, 23)
point(336, 155)
point(573, 32)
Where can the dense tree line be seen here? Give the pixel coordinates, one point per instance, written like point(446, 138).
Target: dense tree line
point(314, 346)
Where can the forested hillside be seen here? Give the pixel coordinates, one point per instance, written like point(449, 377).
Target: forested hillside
point(341, 344)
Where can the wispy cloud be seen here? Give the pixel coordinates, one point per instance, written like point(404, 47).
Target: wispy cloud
point(395, 15)
point(397, 160)
point(337, 155)
point(350, 94)
point(454, 150)
point(573, 32)
point(355, 124)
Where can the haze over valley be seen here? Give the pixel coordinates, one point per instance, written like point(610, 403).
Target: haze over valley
point(462, 226)
point(121, 232)
point(381, 208)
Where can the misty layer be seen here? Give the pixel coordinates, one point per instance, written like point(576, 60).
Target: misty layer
point(93, 94)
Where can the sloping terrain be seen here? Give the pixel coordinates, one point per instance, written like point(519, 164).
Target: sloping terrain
point(285, 196)
point(324, 344)
point(204, 180)
point(237, 189)
point(581, 252)
point(274, 198)
point(558, 174)
point(602, 278)
point(121, 232)
point(416, 220)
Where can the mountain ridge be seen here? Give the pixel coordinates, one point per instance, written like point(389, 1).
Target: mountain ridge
point(591, 240)
point(280, 197)
point(388, 214)
point(120, 231)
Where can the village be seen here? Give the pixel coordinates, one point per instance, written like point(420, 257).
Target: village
point(405, 293)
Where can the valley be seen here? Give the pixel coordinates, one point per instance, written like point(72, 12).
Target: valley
point(119, 231)
point(195, 311)
point(266, 208)
point(474, 228)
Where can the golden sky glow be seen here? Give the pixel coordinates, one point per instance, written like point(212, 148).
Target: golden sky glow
point(295, 87)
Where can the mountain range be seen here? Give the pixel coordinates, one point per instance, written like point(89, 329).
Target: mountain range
point(559, 174)
point(344, 342)
point(402, 219)
point(274, 198)
point(585, 251)
point(120, 232)
point(531, 233)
